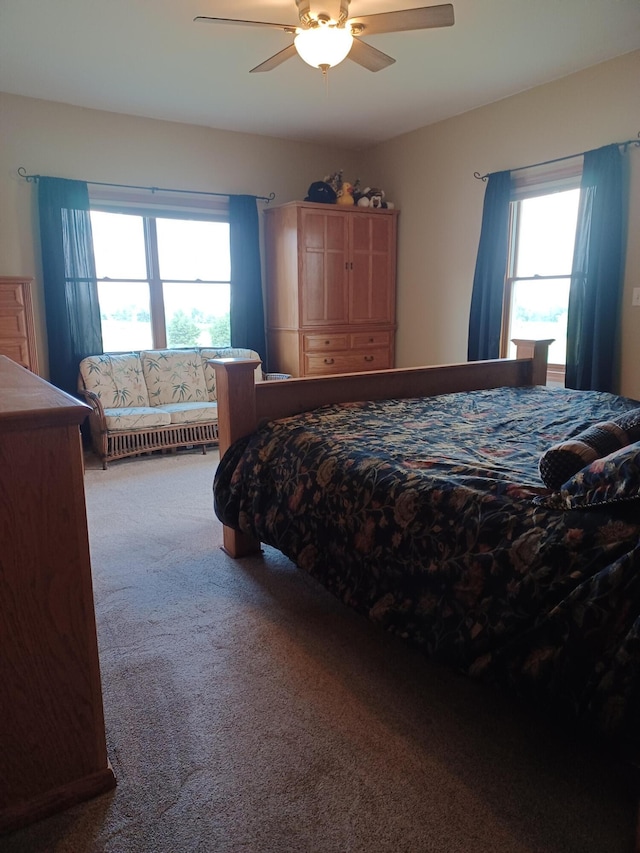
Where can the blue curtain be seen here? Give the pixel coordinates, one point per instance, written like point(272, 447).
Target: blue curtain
point(593, 320)
point(485, 318)
point(247, 307)
point(69, 277)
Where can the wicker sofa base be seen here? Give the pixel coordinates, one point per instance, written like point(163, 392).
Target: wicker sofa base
point(117, 445)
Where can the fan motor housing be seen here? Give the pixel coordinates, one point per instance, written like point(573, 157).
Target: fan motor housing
point(335, 10)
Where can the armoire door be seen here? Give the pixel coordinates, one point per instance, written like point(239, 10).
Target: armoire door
point(372, 268)
point(324, 272)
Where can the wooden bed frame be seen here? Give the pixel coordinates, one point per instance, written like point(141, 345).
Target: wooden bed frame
point(243, 404)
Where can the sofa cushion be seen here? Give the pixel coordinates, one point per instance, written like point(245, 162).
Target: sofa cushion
point(116, 379)
point(191, 413)
point(174, 376)
point(224, 352)
point(137, 417)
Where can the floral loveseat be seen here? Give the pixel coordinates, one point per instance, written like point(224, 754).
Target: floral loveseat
point(154, 399)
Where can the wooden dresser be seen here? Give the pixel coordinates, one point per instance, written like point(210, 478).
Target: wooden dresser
point(17, 335)
point(52, 740)
point(331, 274)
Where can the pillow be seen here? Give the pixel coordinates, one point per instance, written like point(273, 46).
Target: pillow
point(566, 458)
point(608, 480)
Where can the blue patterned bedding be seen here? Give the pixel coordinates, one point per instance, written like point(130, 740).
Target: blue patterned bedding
point(429, 516)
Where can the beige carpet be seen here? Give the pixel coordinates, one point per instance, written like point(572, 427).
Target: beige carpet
point(248, 711)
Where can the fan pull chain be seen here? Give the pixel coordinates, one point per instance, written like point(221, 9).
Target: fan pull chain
point(325, 74)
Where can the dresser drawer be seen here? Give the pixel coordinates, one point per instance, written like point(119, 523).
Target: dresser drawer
point(325, 343)
point(16, 350)
point(361, 340)
point(12, 323)
point(11, 296)
point(17, 335)
point(346, 362)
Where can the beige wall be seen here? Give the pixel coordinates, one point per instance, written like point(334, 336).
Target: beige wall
point(429, 174)
point(71, 142)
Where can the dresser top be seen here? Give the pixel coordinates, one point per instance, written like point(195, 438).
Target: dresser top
point(28, 401)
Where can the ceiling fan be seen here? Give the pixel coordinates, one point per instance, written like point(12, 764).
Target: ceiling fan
point(323, 41)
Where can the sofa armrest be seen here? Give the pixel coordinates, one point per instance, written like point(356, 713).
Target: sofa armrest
point(94, 401)
point(97, 425)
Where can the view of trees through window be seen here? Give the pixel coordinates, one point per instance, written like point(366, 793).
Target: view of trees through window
point(162, 281)
point(539, 275)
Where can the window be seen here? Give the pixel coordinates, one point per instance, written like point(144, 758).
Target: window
point(542, 237)
point(163, 280)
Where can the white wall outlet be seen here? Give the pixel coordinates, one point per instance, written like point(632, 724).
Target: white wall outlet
point(635, 300)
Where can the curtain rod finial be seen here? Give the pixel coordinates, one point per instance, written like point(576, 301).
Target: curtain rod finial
point(479, 177)
point(32, 179)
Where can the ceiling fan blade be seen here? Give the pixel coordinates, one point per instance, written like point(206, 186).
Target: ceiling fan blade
point(288, 28)
point(406, 19)
point(276, 59)
point(369, 57)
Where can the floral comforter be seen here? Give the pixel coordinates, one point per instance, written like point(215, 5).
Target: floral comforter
point(421, 514)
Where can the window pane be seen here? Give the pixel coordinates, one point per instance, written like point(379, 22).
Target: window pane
point(539, 311)
point(197, 314)
point(118, 245)
point(125, 315)
point(546, 234)
point(189, 249)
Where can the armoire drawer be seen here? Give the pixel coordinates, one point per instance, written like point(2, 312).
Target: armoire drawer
point(346, 362)
point(360, 340)
point(325, 343)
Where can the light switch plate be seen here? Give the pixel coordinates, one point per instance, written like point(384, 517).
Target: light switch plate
point(636, 296)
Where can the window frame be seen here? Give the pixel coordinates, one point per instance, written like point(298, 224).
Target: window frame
point(118, 203)
point(534, 182)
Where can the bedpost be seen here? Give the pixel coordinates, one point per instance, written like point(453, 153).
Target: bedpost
point(539, 352)
point(235, 391)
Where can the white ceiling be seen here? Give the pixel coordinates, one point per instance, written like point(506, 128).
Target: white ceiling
point(148, 58)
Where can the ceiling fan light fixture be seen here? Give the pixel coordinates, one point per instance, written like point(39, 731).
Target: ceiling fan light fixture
point(324, 46)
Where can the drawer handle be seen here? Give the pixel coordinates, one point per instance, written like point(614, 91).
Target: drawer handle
point(328, 361)
point(326, 343)
point(371, 340)
point(368, 358)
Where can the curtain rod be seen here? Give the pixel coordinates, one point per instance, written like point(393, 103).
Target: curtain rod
point(33, 179)
point(623, 145)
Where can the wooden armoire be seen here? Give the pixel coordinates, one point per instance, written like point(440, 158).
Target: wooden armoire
point(330, 282)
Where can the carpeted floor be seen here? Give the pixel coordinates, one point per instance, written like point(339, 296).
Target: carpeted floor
point(248, 711)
